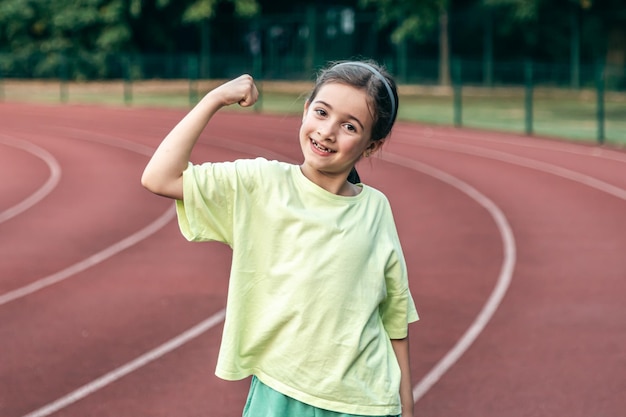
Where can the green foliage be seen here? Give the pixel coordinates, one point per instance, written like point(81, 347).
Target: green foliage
point(200, 10)
point(247, 8)
point(78, 38)
point(523, 10)
point(410, 19)
point(73, 38)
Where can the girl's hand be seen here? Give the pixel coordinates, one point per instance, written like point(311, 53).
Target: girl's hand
point(241, 90)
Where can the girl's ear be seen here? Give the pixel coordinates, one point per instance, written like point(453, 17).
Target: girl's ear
point(375, 146)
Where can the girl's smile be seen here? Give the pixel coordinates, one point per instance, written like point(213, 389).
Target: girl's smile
point(321, 149)
point(335, 133)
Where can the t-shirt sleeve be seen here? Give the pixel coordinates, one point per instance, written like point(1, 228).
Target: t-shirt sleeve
point(206, 211)
point(398, 308)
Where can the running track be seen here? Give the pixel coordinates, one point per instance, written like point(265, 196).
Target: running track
point(516, 249)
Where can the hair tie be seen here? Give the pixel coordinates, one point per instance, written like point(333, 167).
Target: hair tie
point(381, 78)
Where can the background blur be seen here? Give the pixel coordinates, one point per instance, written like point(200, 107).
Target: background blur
point(549, 67)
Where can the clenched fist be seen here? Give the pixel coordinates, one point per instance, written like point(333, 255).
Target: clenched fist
point(241, 90)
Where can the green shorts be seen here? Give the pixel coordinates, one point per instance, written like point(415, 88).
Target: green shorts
point(263, 401)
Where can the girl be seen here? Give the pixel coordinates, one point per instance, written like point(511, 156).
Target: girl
point(318, 302)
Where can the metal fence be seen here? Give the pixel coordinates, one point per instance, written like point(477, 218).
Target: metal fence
point(526, 97)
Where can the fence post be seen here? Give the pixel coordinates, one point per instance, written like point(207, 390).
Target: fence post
point(487, 46)
point(528, 97)
point(257, 59)
point(402, 61)
point(63, 91)
point(258, 106)
point(205, 48)
point(575, 46)
point(257, 66)
point(457, 92)
point(193, 67)
point(311, 42)
point(128, 88)
point(600, 72)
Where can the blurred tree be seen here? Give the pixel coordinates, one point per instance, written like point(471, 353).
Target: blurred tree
point(64, 38)
point(606, 23)
point(77, 38)
point(411, 19)
point(74, 38)
point(414, 20)
point(200, 10)
point(545, 30)
point(610, 19)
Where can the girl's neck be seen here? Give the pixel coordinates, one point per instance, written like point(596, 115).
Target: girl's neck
point(338, 185)
point(349, 190)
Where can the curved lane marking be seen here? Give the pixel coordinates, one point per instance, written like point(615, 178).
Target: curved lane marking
point(546, 167)
point(132, 366)
point(92, 260)
point(104, 254)
point(510, 139)
point(441, 367)
point(502, 284)
point(45, 189)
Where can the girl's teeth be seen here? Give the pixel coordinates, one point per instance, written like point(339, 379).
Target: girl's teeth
point(320, 147)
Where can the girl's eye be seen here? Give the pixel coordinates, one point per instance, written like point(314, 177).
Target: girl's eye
point(350, 127)
point(320, 112)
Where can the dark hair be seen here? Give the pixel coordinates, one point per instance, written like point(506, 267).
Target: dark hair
point(378, 85)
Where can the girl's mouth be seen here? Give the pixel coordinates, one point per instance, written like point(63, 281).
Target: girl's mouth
point(321, 148)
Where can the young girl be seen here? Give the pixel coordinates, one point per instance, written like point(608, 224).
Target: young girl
point(318, 302)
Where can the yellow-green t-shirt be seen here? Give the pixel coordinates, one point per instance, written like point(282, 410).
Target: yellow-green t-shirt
point(318, 283)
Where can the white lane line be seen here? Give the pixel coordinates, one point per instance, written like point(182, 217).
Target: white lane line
point(507, 268)
point(132, 366)
point(104, 254)
point(92, 260)
point(108, 140)
point(45, 189)
point(596, 151)
point(532, 164)
point(503, 282)
point(95, 259)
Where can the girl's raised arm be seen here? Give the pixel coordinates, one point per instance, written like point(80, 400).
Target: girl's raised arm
point(164, 173)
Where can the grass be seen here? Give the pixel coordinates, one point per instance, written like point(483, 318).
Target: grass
point(555, 112)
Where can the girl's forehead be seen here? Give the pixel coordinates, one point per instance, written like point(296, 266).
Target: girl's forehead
point(332, 88)
point(345, 98)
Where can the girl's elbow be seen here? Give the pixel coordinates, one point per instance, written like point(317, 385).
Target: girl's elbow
point(151, 183)
point(170, 189)
point(146, 182)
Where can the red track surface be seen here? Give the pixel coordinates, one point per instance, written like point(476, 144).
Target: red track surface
point(542, 222)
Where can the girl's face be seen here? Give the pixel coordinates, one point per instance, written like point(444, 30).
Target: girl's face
point(335, 132)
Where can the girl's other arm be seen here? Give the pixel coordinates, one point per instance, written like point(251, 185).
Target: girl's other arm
point(401, 349)
point(164, 173)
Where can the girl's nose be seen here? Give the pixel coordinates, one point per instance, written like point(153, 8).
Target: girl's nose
point(325, 131)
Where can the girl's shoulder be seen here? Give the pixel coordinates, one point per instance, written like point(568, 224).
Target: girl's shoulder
point(261, 166)
point(375, 194)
